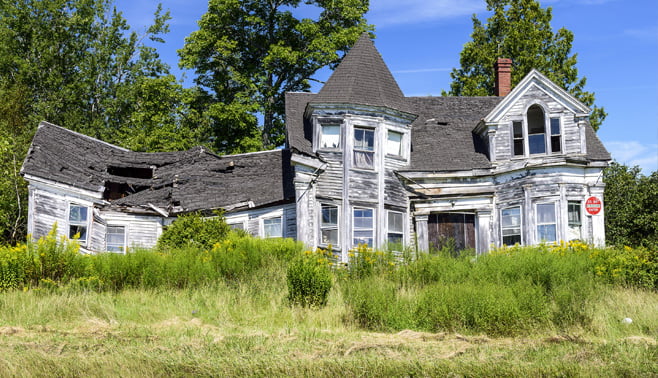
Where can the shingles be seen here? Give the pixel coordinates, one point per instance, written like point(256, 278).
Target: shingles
point(187, 180)
point(442, 137)
point(362, 78)
point(595, 149)
point(299, 129)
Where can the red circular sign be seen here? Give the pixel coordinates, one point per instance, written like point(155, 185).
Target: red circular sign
point(593, 205)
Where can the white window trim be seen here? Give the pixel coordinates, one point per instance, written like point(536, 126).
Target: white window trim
point(555, 217)
point(374, 147)
point(84, 242)
point(335, 246)
point(404, 225)
point(269, 217)
point(321, 134)
point(547, 133)
point(502, 227)
point(372, 229)
point(125, 236)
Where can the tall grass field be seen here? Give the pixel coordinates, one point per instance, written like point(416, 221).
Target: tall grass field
point(268, 307)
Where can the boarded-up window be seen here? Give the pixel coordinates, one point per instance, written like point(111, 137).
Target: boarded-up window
point(511, 225)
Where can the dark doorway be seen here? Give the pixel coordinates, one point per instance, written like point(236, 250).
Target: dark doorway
point(451, 229)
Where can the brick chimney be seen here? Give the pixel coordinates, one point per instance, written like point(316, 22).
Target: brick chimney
point(503, 84)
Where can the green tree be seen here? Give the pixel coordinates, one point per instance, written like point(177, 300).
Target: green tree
point(631, 206)
point(76, 63)
point(248, 53)
point(520, 30)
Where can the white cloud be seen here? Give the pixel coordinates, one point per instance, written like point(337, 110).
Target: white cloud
point(396, 12)
point(634, 153)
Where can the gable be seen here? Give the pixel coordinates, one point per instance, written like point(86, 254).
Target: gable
point(534, 86)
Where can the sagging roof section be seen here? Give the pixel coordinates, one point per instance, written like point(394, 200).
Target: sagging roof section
point(176, 182)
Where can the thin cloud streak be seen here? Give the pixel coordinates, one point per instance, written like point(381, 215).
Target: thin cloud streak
point(634, 153)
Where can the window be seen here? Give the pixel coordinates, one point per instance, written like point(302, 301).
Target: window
point(329, 225)
point(272, 227)
point(364, 148)
point(518, 138)
point(511, 225)
point(363, 227)
point(556, 144)
point(536, 130)
point(546, 227)
point(237, 226)
point(78, 223)
point(395, 227)
point(394, 143)
point(330, 136)
point(575, 222)
point(116, 238)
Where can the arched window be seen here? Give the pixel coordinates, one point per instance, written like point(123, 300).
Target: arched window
point(536, 130)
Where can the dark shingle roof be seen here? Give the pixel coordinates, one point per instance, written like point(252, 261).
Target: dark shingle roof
point(182, 181)
point(362, 78)
point(299, 128)
point(595, 149)
point(442, 137)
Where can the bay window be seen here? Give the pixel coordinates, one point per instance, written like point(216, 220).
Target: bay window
point(363, 221)
point(330, 137)
point(546, 222)
point(364, 148)
point(511, 225)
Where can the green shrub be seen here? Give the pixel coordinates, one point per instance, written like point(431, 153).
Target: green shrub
point(193, 230)
point(365, 261)
point(309, 279)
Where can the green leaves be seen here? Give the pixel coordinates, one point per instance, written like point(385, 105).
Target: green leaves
point(247, 54)
point(520, 30)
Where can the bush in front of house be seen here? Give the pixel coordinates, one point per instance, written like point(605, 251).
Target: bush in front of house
point(194, 230)
point(309, 279)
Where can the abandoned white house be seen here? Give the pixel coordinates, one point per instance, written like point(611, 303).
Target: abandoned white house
point(363, 164)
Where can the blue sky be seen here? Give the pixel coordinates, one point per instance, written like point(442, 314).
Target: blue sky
point(420, 40)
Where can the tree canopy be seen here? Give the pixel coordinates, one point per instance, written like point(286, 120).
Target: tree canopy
point(520, 30)
point(248, 53)
point(631, 206)
point(77, 63)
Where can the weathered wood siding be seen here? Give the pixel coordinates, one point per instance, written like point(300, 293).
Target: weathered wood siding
point(253, 219)
point(141, 230)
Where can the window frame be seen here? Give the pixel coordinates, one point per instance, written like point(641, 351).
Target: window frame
point(79, 223)
point(365, 151)
point(400, 143)
point(370, 229)
point(322, 135)
point(557, 136)
point(571, 225)
point(396, 232)
point(329, 226)
point(264, 226)
point(503, 227)
point(541, 224)
point(123, 247)
point(522, 140)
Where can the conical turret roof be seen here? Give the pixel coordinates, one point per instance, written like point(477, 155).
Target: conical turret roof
point(362, 78)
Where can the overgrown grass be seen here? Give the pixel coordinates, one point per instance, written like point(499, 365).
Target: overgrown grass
point(231, 310)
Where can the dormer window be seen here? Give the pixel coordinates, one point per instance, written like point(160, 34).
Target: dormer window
point(364, 148)
point(539, 136)
point(330, 138)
